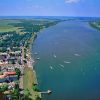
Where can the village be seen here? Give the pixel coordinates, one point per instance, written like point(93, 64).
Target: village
point(11, 68)
point(18, 80)
point(14, 66)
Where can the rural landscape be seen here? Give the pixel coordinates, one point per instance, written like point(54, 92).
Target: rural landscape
point(49, 50)
point(17, 77)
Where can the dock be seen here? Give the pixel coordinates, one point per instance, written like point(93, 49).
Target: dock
point(46, 92)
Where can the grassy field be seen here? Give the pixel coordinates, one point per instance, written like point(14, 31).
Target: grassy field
point(5, 22)
point(23, 25)
point(6, 27)
point(28, 81)
point(10, 28)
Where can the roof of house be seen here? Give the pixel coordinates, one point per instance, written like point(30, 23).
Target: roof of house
point(3, 57)
point(12, 58)
point(10, 78)
point(9, 73)
point(5, 74)
point(2, 76)
point(16, 52)
point(3, 54)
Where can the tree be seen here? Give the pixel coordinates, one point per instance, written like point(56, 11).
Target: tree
point(18, 72)
point(38, 98)
point(15, 94)
point(3, 88)
point(35, 87)
point(27, 94)
point(2, 97)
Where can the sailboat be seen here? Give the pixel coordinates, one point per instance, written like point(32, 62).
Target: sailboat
point(54, 56)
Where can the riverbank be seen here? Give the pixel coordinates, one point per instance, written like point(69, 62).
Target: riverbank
point(29, 77)
point(29, 72)
point(70, 81)
point(95, 25)
point(21, 41)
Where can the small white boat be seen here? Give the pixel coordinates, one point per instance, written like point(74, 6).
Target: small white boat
point(35, 53)
point(54, 56)
point(67, 62)
point(51, 67)
point(76, 54)
point(38, 58)
point(62, 65)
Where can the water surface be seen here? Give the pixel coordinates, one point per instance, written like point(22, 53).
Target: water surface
point(69, 62)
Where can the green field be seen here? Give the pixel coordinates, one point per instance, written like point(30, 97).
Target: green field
point(28, 80)
point(9, 28)
point(6, 27)
point(24, 25)
point(17, 32)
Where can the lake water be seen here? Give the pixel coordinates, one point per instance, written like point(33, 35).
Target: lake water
point(69, 62)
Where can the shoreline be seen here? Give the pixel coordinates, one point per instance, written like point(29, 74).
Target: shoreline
point(28, 81)
point(94, 25)
point(32, 61)
point(30, 66)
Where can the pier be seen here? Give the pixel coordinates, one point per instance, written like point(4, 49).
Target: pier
point(46, 92)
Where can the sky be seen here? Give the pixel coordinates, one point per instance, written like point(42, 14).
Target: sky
point(85, 8)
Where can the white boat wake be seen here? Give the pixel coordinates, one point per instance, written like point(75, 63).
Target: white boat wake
point(62, 65)
point(76, 54)
point(67, 62)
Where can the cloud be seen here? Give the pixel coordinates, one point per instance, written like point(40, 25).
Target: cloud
point(72, 1)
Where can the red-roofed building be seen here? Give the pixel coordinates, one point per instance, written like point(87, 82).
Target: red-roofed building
point(9, 73)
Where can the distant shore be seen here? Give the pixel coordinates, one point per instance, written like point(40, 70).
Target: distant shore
point(95, 25)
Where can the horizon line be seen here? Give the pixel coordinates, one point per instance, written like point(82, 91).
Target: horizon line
point(47, 16)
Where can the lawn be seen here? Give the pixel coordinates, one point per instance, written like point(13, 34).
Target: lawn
point(6, 27)
point(9, 28)
point(28, 80)
point(23, 25)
